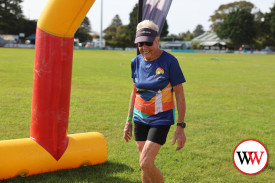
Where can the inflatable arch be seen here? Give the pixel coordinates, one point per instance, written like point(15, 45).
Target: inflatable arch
point(49, 148)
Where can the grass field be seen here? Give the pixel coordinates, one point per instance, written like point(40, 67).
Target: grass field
point(229, 98)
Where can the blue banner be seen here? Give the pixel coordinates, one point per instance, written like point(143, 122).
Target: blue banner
point(156, 10)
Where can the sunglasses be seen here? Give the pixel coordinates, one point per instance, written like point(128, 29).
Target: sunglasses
point(145, 43)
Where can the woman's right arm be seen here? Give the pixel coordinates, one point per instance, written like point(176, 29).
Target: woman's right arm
point(128, 126)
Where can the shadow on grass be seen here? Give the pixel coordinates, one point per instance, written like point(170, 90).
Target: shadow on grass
point(103, 173)
point(270, 167)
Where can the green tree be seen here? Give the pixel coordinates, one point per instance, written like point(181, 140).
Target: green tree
point(198, 30)
point(239, 27)
point(223, 11)
point(189, 36)
point(268, 28)
point(116, 21)
point(83, 31)
point(10, 16)
point(116, 34)
point(170, 37)
point(164, 31)
point(131, 27)
point(110, 35)
point(186, 36)
point(258, 21)
point(27, 26)
point(121, 38)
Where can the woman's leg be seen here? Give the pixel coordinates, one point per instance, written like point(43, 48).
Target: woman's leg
point(148, 152)
point(149, 140)
point(144, 178)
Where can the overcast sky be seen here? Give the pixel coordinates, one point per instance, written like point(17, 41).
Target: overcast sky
point(183, 15)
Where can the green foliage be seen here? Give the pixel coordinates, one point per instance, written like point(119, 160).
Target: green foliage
point(222, 12)
point(116, 21)
point(11, 9)
point(195, 46)
point(110, 33)
point(268, 28)
point(184, 36)
point(187, 36)
point(239, 27)
point(165, 28)
point(11, 17)
point(82, 32)
point(272, 20)
point(121, 37)
point(116, 34)
point(229, 98)
point(12, 20)
point(132, 26)
point(198, 30)
point(260, 29)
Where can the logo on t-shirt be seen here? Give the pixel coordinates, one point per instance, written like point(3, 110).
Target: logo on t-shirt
point(159, 72)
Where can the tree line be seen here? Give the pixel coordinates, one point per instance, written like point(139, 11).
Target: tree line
point(240, 22)
point(12, 20)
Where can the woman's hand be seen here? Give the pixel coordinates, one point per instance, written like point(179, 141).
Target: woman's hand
point(128, 131)
point(180, 137)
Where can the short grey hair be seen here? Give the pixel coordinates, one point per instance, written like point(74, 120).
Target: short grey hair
point(148, 24)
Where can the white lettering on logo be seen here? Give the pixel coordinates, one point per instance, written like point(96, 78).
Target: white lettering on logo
point(158, 3)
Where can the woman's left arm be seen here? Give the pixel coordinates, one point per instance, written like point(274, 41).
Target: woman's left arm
point(181, 107)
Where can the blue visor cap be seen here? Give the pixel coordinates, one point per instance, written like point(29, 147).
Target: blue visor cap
point(145, 35)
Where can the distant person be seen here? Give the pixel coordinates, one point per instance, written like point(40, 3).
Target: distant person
point(156, 77)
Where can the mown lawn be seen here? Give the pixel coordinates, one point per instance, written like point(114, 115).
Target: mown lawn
point(230, 98)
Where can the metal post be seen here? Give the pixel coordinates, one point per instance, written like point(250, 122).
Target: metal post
point(101, 22)
point(139, 19)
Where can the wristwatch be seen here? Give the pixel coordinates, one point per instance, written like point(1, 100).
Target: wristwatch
point(183, 125)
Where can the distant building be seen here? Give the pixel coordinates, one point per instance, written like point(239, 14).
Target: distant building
point(2, 42)
point(94, 44)
point(98, 44)
point(176, 45)
point(210, 41)
point(9, 38)
point(30, 39)
point(207, 36)
point(76, 42)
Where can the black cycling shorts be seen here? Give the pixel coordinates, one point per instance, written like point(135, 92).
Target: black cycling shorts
point(157, 134)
